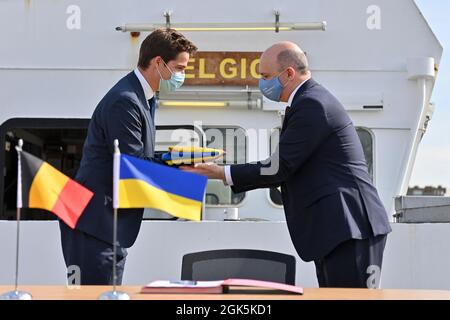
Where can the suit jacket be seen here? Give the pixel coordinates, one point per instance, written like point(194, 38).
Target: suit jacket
point(122, 114)
point(326, 189)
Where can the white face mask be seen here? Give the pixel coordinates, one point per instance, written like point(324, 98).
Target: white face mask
point(175, 82)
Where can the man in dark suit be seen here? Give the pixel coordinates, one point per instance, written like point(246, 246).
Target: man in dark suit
point(333, 212)
point(126, 113)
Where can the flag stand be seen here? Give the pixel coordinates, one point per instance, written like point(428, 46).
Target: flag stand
point(16, 294)
point(114, 294)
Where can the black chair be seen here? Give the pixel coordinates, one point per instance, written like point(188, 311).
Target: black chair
point(239, 263)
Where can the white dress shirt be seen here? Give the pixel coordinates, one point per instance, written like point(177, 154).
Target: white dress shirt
point(227, 169)
point(145, 85)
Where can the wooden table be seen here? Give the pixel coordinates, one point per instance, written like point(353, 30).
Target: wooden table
point(92, 292)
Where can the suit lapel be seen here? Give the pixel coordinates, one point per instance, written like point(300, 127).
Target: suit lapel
point(134, 81)
point(137, 87)
point(301, 92)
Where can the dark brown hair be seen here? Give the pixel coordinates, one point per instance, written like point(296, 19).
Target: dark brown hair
point(166, 43)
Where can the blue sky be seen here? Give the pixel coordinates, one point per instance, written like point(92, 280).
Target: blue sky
point(432, 165)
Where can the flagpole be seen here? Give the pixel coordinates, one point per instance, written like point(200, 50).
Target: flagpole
point(16, 294)
point(114, 294)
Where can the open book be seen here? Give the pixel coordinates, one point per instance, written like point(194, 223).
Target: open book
point(223, 286)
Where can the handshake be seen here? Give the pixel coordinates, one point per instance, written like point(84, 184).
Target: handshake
point(190, 155)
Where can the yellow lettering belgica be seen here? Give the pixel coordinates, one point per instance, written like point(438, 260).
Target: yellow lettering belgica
point(254, 70)
point(232, 70)
point(243, 68)
point(202, 70)
point(224, 68)
point(190, 67)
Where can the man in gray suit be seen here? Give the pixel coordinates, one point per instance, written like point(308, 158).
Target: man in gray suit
point(334, 214)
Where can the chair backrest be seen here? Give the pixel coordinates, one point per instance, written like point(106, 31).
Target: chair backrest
point(239, 263)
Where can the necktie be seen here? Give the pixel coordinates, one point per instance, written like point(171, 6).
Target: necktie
point(152, 105)
point(286, 111)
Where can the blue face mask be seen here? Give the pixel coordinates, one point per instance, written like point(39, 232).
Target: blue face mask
point(272, 88)
point(174, 83)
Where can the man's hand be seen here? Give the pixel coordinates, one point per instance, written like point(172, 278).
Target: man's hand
point(211, 170)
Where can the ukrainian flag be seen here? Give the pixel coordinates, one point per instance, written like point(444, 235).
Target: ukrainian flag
point(189, 155)
point(145, 184)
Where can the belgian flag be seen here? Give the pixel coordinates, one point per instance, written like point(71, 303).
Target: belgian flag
point(44, 187)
